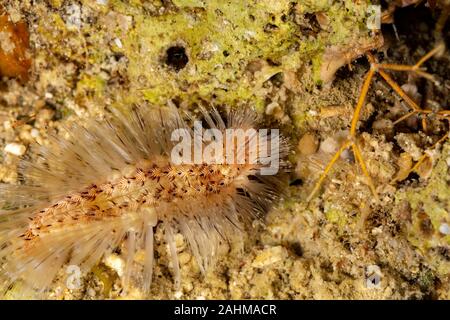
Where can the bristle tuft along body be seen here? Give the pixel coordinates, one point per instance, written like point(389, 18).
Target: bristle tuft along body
point(112, 183)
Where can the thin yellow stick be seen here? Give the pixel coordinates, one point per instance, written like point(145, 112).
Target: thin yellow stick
point(327, 169)
point(399, 91)
point(406, 116)
point(396, 67)
point(362, 98)
point(406, 68)
point(438, 48)
point(359, 158)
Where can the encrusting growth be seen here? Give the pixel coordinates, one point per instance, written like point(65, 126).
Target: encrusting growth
point(111, 184)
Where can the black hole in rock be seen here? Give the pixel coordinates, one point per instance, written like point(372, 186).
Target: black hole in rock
point(176, 57)
point(297, 248)
point(270, 27)
point(296, 182)
point(277, 79)
point(413, 176)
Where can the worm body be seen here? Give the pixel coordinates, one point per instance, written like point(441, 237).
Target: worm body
point(114, 181)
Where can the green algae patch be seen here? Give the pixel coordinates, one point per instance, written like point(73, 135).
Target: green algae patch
point(429, 210)
point(337, 217)
point(219, 40)
point(232, 48)
point(105, 277)
point(91, 84)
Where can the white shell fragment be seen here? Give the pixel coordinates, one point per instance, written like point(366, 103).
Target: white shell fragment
point(15, 149)
point(444, 229)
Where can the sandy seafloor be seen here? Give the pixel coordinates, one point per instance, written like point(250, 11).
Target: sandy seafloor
point(280, 58)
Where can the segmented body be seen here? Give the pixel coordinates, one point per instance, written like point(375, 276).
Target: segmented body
point(149, 185)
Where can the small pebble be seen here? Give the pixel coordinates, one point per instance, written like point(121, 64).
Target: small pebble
point(118, 43)
point(34, 133)
point(73, 16)
point(15, 148)
point(377, 231)
point(444, 229)
point(8, 126)
point(44, 116)
point(270, 256)
point(308, 144)
point(116, 263)
point(274, 109)
point(91, 292)
point(329, 145)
